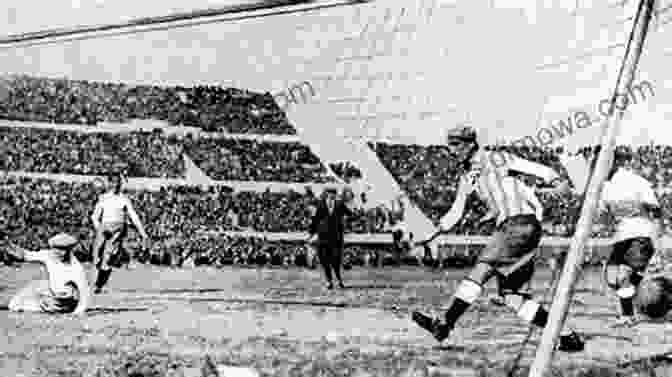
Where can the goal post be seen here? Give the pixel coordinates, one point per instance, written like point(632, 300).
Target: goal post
point(560, 305)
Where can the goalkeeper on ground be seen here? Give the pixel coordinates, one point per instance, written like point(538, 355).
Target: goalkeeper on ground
point(66, 289)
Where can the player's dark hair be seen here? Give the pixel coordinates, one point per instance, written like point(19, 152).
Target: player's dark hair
point(621, 157)
point(466, 164)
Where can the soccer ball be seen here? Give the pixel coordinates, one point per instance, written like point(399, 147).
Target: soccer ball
point(654, 297)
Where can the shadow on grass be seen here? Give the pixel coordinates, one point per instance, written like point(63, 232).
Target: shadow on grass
point(175, 291)
point(450, 347)
point(588, 336)
point(242, 301)
point(101, 311)
point(266, 302)
point(372, 286)
point(604, 316)
point(98, 311)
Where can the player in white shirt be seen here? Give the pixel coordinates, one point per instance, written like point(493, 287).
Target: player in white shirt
point(511, 255)
point(631, 203)
point(65, 291)
point(110, 223)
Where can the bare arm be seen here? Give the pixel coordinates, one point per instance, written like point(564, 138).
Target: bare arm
point(97, 215)
point(532, 168)
point(25, 254)
point(547, 174)
point(450, 219)
point(532, 199)
point(652, 207)
point(136, 220)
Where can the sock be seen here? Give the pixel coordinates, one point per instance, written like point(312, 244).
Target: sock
point(102, 278)
point(627, 307)
point(636, 278)
point(531, 311)
point(540, 317)
point(467, 293)
point(625, 295)
point(457, 308)
point(528, 310)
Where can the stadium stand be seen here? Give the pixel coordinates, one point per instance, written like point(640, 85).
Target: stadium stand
point(185, 221)
point(210, 108)
point(241, 159)
point(43, 150)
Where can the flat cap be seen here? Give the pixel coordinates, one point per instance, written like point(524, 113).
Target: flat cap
point(464, 133)
point(62, 241)
point(331, 189)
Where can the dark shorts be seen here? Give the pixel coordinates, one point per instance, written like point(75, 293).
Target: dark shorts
point(108, 244)
point(634, 252)
point(512, 253)
point(59, 305)
point(515, 238)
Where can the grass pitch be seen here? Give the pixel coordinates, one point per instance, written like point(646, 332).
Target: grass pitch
point(155, 321)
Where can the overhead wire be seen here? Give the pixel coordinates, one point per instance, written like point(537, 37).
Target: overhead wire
point(603, 49)
point(165, 23)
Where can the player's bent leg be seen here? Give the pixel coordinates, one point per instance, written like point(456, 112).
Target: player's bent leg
point(65, 302)
point(618, 280)
point(510, 280)
point(113, 241)
point(528, 309)
point(101, 280)
point(624, 273)
point(654, 296)
point(533, 313)
point(468, 291)
point(97, 248)
point(28, 299)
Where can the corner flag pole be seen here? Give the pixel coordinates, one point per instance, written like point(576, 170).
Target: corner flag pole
point(560, 305)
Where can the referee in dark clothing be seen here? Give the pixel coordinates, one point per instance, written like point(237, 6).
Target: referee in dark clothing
point(327, 229)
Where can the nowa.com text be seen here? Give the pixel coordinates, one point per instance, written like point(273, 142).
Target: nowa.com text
point(563, 128)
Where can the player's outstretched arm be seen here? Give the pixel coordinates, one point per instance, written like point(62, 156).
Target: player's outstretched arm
point(137, 222)
point(454, 215)
point(522, 165)
point(24, 254)
point(97, 215)
point(547, 174)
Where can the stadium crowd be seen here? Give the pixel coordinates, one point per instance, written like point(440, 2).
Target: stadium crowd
point(156, 155)
point(180, 220)
point(211, 108)
point(33, 208)
point(429, 177)
point(346, 170)
point(41, 150)
point(252, 160)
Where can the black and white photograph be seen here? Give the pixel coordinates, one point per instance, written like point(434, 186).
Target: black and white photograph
point(336, 188)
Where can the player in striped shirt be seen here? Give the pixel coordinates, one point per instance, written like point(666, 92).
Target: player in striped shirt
point(630, 202)
point(66, 290)
point(511, 255)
